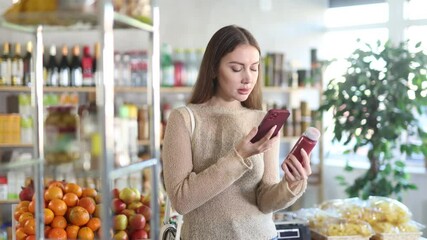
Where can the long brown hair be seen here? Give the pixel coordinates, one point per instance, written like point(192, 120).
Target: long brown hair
point(224, 41)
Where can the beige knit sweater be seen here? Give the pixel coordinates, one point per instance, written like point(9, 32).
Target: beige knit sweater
point(221, 195)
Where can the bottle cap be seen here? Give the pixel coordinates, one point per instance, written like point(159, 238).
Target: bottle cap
point(312, 133)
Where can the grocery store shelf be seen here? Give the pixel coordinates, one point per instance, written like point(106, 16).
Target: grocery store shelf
point(9, 202)
point(46, 89)
point(14, 89)
point(132, 22)
point(19, 164)
point(130, 89)
point(65, 20)
point(119, 172)
point(176, 89)
point(15, 145)
point(118, 89)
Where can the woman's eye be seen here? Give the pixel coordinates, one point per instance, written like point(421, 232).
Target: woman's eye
point(254, 69)
point(236, 69)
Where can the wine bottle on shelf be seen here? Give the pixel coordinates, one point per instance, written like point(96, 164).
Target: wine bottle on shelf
point(64, 68)
point(97, 52)
point(17, 66)
point(5, 66)
point(76, 68)
point(28, 64)
point(87, 67)
point(52, 68)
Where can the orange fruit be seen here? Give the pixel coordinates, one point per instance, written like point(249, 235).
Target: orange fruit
point(88, 203)
point(48, 216)
point(59, 184)
point(59, 222)
point(58, 206)
point(20, 234)
point(18, 213)
point(73, 188)
point(70, 199)
point(57, 234)
point(46, 230)
point(89, 192)
point(72, 231)
point(53, 192)
point(86, 233)
point(31, 237)
point(32, 206)
point(94, 224)
point(30, 226)
point(22, 204)
point(79, 216)
point(24, 217)
point(67, 214)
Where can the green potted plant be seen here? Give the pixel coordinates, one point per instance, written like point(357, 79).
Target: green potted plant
point(377, 101)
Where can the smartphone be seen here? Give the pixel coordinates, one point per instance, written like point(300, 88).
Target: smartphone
point(273, 117)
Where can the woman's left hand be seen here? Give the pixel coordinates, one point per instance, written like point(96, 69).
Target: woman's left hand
point(295, 170)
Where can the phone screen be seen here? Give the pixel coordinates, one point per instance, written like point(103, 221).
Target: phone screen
point(273, 117)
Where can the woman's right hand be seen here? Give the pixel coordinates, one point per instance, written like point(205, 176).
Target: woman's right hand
point(245, 148)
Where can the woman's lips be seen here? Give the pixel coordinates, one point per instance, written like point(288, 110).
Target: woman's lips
point(243, 91)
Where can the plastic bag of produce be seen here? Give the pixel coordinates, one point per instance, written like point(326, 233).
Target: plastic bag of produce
point(392, 211)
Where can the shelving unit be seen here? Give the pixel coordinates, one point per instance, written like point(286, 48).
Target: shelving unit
point(105, 22)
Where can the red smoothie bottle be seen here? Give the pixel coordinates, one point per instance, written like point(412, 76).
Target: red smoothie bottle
point(307, 141)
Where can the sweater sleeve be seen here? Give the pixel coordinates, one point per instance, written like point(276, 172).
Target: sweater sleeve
point(187, 189)
point(274, 194)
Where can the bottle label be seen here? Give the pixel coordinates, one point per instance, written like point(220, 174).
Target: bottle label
point(87, 72)
point(64, 77)
point(53, 78)
point(76, 77)
point(5, 72)
point(17, 72)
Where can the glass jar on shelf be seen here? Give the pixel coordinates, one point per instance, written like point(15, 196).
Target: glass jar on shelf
point(62, 135)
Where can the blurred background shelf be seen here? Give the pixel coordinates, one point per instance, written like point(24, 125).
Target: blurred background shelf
point(60, 20)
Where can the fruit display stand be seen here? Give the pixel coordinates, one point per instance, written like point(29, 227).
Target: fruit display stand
point(105, 22)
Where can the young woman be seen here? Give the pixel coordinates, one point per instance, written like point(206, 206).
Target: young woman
point(225, 186)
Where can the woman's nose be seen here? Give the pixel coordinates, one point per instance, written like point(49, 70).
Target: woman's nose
point(246, 77)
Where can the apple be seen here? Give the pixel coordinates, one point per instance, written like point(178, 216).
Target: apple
point(117, 205)
point(137, 221)
point(115, 192)
point(120, 222)
point(146, 200)
point(136, 191)
point(139, 234)
point(147, 227)
point(144, 210)
point(26, 193)
point(128, 212)
point(121, 235)
point(134, 205)
point(127, 195)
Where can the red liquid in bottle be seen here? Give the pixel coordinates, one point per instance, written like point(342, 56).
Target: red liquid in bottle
point(307, 141)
